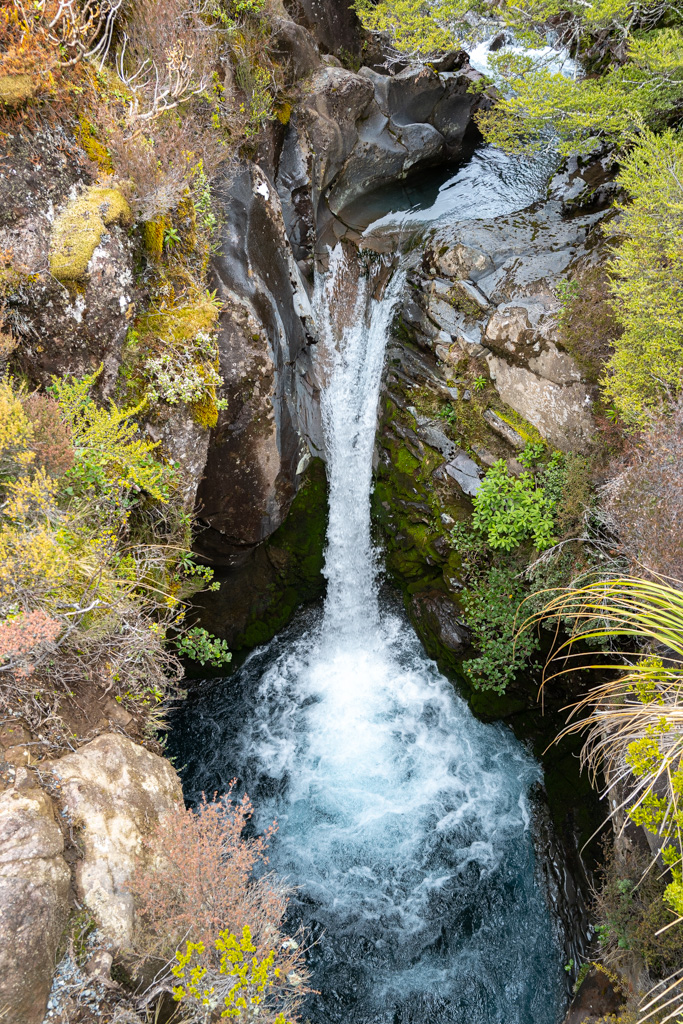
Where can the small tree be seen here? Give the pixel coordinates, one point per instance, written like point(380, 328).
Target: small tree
point(202, 908)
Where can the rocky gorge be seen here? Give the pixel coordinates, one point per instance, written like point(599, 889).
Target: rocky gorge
point(477, 369)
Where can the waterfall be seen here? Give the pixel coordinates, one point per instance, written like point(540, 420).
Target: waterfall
point(403, 821)
point(349, 358)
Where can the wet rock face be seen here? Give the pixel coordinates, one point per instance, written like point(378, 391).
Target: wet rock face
point(115, 792)
point(34, 890)
point(354, 133)
point(70, 325)
point(263, 585)
point(256, 450)
point(437, 613)
point(486, 290)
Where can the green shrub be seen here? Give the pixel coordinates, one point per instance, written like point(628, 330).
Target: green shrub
point(509, 510)
point(199, 645)
point(95, 570)
point(491, 602)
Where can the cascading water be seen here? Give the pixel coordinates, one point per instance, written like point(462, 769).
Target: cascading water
point(403, 821)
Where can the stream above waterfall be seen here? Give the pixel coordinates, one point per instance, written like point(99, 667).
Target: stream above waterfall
point(403, 822)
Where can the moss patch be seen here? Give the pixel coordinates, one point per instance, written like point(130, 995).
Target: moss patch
point(257, 599)
point(77, 231)
point(153, 236)
point(16, 89)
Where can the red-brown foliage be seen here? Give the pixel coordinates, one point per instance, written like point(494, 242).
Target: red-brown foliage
point(23, 638)
point(203, 883)
point(52, 437)
point(644, 501)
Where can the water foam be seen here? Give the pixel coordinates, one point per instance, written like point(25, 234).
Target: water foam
point(403, 821)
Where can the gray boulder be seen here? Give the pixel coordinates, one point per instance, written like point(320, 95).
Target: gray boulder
point(561, 413)
point(34, 893)
point(115, 791)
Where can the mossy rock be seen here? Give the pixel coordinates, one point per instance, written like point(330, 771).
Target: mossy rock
point(16, 89)
point(77, 231)
point(258, 599)
point(153, 232)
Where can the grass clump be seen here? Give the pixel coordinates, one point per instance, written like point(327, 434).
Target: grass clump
point(633, 725)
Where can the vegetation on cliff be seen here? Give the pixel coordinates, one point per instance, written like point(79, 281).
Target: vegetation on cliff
point(151, 101)
point(599, 78)
point(96, 560)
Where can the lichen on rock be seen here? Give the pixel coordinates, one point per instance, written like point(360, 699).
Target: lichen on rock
point(77, 230)
point(115, 792)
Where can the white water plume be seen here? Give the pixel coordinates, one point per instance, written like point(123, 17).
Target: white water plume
point(403, 821)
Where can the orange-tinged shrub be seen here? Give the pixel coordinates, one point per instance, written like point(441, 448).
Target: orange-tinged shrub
point(203, 886)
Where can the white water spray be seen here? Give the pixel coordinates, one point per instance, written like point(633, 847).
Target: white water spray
point(402, 820)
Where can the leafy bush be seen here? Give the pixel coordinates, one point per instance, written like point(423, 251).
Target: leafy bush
point(199, 645)
point(491, 602)
point(242, 986)
point(201, 895)
point(647, 265)
point(90, 582)
point(509, 510)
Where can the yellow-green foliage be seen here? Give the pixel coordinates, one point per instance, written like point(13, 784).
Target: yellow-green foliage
point(153, 232)
point(205, 411)
point(108, 439)
point(15, 432)
point(80, 550)
point(12, 277)
point(412, 27)
point(647, 266)
point(94, 149)
point(583, 110)
point(283, 112)
point(535, 102)
point(248, 980)
point(526, 430)
point(175, 322)
point(77, 231)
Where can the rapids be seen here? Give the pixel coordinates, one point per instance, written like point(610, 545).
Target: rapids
point(403, 821)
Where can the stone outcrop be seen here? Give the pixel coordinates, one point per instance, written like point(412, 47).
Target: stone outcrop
point(113, 792)
point(70, 309)
point(354, 133)
point(560, 412)
point(256, 451)
point(34, 890)
point(486, 290)
point(349, 134)
point(597, 999)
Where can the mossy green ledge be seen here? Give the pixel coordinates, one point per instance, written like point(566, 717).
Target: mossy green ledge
point(414, 509)
point(259, 597)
